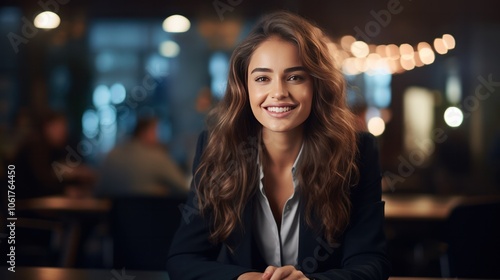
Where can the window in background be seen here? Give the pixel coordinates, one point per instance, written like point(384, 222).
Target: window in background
point(218, 68)
point(130, 69)
point(418, 108)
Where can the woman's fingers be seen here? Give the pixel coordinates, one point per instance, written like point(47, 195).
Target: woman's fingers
point(287, 272)
point(268, 273)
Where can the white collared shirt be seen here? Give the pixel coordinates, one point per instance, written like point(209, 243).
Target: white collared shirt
point(278, 247)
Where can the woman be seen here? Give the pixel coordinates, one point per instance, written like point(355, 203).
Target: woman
point(283, 187)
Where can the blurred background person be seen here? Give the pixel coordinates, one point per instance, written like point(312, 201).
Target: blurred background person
point(141, 166)
point(42, 160)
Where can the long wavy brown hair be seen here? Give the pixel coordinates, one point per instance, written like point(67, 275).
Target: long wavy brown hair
point(228, 173)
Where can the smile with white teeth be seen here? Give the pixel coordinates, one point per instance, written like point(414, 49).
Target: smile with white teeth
point(279, 109)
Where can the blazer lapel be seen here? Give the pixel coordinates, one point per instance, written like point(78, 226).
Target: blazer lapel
point(314, 251)
point(242, 240)
point(306, 240)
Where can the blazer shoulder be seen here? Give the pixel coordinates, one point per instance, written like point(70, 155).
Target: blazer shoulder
point(202, 139)
point(200, 147)
point(366, 140)
point(368, 158)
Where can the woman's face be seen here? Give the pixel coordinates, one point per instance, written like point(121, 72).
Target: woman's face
point(280, 90)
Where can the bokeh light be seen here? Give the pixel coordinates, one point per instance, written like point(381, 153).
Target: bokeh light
point(169, 49)
point(449, 41)
point(406, 51)
point(426, 55)
point(118, 93)
point(439, 46)
point(47, 20)
point(90, 123)
point(176, 24)
point(101, 96)
point(346, 42)
point(360, 49)
point(376, 126)
point(453, 117)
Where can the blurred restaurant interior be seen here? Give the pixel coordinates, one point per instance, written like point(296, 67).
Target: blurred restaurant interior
point(423, 76)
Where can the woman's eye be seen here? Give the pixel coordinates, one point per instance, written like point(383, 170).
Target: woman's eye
point(261, 79)
point(295, 78)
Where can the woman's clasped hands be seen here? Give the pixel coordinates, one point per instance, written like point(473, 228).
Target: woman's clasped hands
point(288, 272)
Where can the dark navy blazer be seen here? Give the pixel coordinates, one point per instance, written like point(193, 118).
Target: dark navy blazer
point(360, 254)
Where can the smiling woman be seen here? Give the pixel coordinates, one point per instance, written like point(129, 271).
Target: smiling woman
point(283, 186)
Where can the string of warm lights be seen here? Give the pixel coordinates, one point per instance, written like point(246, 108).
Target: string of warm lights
point(356, 57)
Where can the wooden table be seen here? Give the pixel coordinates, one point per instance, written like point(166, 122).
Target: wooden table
point(65, 204)
point(50, 273)
point(71, 211)
point(427, 207)
point(46, 273)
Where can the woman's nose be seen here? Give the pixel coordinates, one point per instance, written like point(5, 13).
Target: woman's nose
point(279, 91)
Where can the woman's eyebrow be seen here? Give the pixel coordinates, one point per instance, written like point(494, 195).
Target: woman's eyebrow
point(261, 70)
point(287, 70)
point(296, 68)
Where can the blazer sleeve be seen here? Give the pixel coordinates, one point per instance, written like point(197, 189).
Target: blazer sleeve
point(191, 254)
point(364, 253)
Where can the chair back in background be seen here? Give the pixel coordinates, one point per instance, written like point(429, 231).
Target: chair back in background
point(142, 229)
point(473, 237)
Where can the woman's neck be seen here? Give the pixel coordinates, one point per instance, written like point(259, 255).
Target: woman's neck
point(281, 148)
